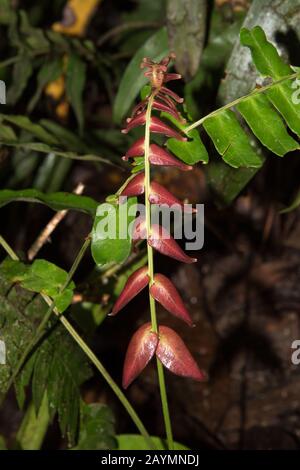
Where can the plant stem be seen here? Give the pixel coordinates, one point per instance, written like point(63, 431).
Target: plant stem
point(8, 249)
point(118, 392)
point(40, 330)
point(99, 366)
point(160, 371)
point(256, 91)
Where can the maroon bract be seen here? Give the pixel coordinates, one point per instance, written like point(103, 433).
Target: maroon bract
point(140, 351)
point(159, 106)
point(135, 283)
point(160, 195)
point(164, 291)
point(175, 356)
point(136, 186)
point(159, 156)
point(151, 339)
point(162, 241)
point(159, 127)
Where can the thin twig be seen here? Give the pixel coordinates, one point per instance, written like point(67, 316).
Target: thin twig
point(50, 227)
point(99, 366)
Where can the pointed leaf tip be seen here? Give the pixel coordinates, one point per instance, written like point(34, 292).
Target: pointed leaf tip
point(159, 156)
point(160, 127)
point(140, 351)
point(161, 240)
point(174, 355)
point(160, 195)
point(164, 291)
point(135, 186)
point(136, 282)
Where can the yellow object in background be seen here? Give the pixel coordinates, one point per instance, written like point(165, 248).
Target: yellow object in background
point(76, 16)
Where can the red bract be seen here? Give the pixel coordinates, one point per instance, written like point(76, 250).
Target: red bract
point(159, 156)
point(151, 339)
point(159, 106)
point(136, 186)
point(138, 120)
point(159, 127)
point(175, 356)
point(135, 283)
point(137, 149)
point(160, 195)
point(156, 125)
point(161, 240)
point(139, 229)
point(140, 351)
point(171, 93)
point(164, 291)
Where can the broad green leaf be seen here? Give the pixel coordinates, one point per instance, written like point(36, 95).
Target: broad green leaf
point(273, 134)
point(186, 22)
point(35, 129)
point(269, 63)
point(61, 368)
point(264, 54)
point(21, 311)
point(240, 79)
point(33, 427)
point(96, 430)
point(191, 151)
point(22, 72)
point(42, 277)
point(231, 141)
point(57, 363)
point(133, 78)
point(226, 182)
point(56, 201)
point(137, 442)
point(111, 241)
point(75, 83)
point(49, 72)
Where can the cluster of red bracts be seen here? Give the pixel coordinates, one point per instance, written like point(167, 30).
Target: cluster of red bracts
point(145, 343)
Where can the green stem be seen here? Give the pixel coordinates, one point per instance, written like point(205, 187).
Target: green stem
point(160, 371)
point(99, 366)
point(257, 91)
point(118, 392)
point(40, 330)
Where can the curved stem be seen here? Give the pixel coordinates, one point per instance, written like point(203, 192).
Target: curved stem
point(256, 91)
point(160, 371)
point(116, 389)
